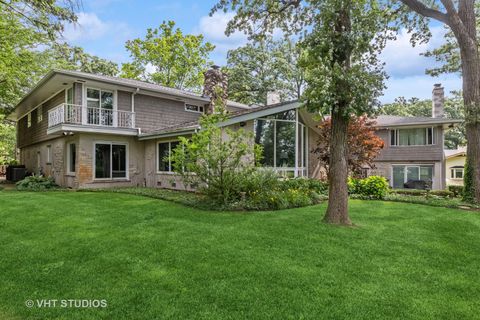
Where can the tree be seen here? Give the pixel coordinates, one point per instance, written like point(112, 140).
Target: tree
point(460, 17)
point(341, 41)
point(363, 144)
point(64, 56)
point(7, 140)
point(177, 60)
point(263, 66)
point(414, 107)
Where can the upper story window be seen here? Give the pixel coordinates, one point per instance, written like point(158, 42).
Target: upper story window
point(29, 120)
point(194, 108)
point(97, 98)
point(69, 96)
point(412, 137)
point(39, 114)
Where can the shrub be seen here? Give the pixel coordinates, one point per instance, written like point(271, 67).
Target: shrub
point(36, 183)
point(457, 190)
point(442, 193)
point(318, 186)
point(409, 192)
point(259, 181)
point(373, 187)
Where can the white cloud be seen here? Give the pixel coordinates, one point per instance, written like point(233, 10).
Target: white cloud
point(213, 28)
point(401, 59)
point(88, 27)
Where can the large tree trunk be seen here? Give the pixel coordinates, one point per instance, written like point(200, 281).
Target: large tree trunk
point(337, 210)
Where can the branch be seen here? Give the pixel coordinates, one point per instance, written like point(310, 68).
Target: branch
point(423, 10)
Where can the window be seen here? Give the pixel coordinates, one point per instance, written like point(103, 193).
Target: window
point(49, 154)
point(194, 108)
point(412, 137)
point(165, 164)
point(69, 96)
point(110, 161)
point(39, 114)
point(402, 174)
point(71, 158)
point(99, 107)
point(29, 120)
point(456, 172)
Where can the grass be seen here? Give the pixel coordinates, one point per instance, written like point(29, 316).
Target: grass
point(152, 259)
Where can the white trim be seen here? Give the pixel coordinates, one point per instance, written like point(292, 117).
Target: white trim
point(127, 158)
point(295, 174)
point(92, 129)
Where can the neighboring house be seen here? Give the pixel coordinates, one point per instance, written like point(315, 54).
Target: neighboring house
point(91, 131)
point(454, 166)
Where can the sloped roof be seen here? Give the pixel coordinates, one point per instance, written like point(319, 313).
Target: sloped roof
point(391, 121)
point(456, 152)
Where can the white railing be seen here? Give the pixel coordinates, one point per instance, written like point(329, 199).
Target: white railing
point(78, 114)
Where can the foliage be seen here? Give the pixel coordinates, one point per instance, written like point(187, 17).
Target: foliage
point(177, 60)
point(64, 56)
point(409, 192)
point(441, 193)
point(468, 194)
point(414, 107)
point(216, 158)
point(7, 140)
point(263, 66)
point(363, 144)
point(456, 190)
point(373, 187)
point(36, 183)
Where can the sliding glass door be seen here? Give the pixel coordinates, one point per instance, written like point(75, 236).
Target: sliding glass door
point(110, 161)
point(401, 174)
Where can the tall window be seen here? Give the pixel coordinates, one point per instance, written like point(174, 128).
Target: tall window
point(69, 96)
point(277, 135)
point(412, 137)
point(165, 164)
point(39, 114)
point(110, 161)
point(100, 107)
point(49, 154)
point(71, 158)
point(29, 119)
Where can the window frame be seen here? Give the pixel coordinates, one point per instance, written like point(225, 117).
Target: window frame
point(39, 113)
point(157, 163)
point(29, 119)
point(454, 171)
point(429, 135)
point(69, 158)
point(49, 154)
point(194, 105)
point(419, 166)
point(127, 157)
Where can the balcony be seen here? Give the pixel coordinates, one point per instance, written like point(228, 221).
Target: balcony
point(74, 117)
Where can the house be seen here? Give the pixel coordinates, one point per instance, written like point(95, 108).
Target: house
point(454, 166)
point(92, 131)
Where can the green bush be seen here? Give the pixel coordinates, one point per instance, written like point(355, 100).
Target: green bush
point(373, 187)
point(318, 186)
point(457, 190)
point(36, 183)
point(442, 193)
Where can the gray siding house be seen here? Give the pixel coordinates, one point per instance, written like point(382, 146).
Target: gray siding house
point(91, 131)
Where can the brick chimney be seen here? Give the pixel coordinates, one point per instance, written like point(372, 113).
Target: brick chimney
point(438, 99)
point(273, 97)
point(215, 83)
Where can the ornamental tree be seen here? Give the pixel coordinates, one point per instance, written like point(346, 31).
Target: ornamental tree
point(363, 144)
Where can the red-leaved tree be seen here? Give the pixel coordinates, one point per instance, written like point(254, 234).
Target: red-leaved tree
point(363, 144)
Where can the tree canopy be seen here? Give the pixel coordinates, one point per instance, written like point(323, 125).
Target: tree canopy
point(168, 57)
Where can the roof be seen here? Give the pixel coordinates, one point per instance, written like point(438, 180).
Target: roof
point(130, 83)
point(235, 117)
point(461, 151)
point(396, 121)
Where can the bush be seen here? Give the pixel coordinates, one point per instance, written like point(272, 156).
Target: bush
point(318, 186)
point(442, 193)
point(409, 192)
point(36, 183)
point(456, 190)
point(373, 187)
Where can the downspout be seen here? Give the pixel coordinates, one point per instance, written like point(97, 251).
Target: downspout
point(137, 90)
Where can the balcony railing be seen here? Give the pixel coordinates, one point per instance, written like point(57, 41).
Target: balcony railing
point(78, 114)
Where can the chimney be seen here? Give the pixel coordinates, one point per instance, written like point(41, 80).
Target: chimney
point(438, 98)
point(215, 84)
point(273, 97)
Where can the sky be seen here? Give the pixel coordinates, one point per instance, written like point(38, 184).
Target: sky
point(105, 25)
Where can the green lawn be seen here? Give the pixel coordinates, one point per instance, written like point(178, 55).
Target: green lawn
point(152, 259)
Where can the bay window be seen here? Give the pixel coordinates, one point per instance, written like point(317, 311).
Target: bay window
point(110, 161)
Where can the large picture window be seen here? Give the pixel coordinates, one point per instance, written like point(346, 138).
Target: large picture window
point(164, 162)
point(283, 139)
point(403, 174)
point(110, 161)
point(412, 137)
